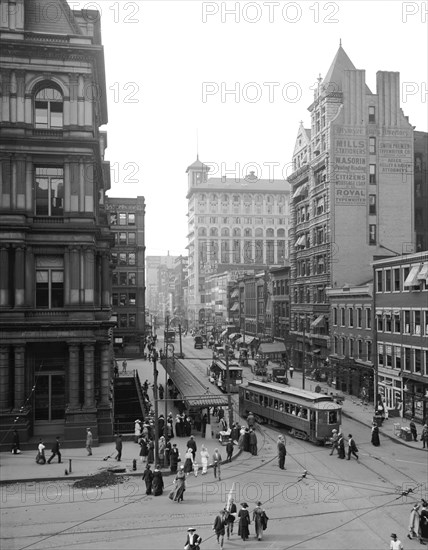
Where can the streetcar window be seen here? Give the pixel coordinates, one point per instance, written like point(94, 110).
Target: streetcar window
point(275, 404)
point(270, 402)
point(287, 408)
point(304, 413)
point(332, 417)
point(299, 413)
point(261, 399)
point(292, 410)
point(247, 395)
point(265, 402)
point(281, 407)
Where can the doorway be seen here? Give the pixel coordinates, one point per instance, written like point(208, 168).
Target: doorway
point(49, 403)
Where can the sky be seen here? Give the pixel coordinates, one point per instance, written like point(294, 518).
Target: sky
point(171, 68)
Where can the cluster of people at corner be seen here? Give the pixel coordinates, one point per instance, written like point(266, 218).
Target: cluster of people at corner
point(41, 457)
point(424, 433)
point(338, 444)
point(246, 437)
point(418, 526)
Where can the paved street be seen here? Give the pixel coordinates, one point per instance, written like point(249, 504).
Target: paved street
point(338, 505)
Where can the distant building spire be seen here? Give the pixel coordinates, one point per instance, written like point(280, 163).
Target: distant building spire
point(340, 42)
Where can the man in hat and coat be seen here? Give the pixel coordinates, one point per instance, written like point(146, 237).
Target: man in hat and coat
point(191, 444)
point(193, 539)
point(219, 527)
point(174, 455)
point(148, 479)
point(395, 543)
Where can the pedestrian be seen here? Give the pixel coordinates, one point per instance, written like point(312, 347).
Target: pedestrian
point(157, 483)
point(16, 450)
point(219, 527)
point(55, 451)
point(229, 450)
point(144, 449)
point(204, 422)
point(414, 522)
point(375, 435)
point(244, 522)
point(116, 370)
point(204, 459)
point(395, 543)
point(161, 391)
point(119, 447)
point(173, 458)
point(89, 441)
point(148, 479)
point(251, 420)
point(191, 444)
point(247, 441)
point(282, 452)
point(195, 468)
point(352, 447)
point(424, 436)
point(223, 425)
point(161, 450)
point(193, 539)
point(180, 486)
point(260, 520)
point(413, 429)
point(188, 462)
point(217, 464)
point(423, 523)
point(124, 365)
point(137, 430)
point(40, 457)
point(253, 443)
point(340, 446)
point(334, 442)
point(291, 371)
point(150, 451)
point(230, 516)
point(168, 448)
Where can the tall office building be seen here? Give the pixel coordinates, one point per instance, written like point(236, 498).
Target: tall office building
point(234, 225)
point(352, 194)
point(55, 313)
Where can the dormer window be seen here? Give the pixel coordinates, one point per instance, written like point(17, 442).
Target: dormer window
point(48, 109)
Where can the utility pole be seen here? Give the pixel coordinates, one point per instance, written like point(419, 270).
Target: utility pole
point(229, 395)
point(304, 355)
point(181, 348)
point(155, 357)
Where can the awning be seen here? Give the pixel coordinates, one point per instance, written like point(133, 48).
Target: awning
point(319, 322)
point(234, 335)
point(423, 273)
point(412, 277)
point(223, 334)
point(300, 190)
point(297, 243)
point(316, 350)
point(235, 307)
point(274, 347)
point(235, 293)
point(239, 340)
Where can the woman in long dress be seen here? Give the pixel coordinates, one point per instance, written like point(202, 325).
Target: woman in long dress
point(180, 485)
point(204, 459)
point(188, 461)
point(423, 523)
point(244, 522)
point(375, 435)
point(157, 483)
point(148, 479)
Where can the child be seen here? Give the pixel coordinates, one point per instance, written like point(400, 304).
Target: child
point(195, 468)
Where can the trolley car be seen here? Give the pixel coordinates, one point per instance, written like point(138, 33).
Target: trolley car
point(218, 372)
point(308, 415)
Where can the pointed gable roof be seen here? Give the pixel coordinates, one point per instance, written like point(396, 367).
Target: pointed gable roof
point(198, 165)
point(304, 136)
point(333, 80)
point(50, 16)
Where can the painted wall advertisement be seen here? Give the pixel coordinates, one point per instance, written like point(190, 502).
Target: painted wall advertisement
point(395, 154)
point(349, 166)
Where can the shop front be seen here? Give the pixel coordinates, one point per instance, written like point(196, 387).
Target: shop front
point(352, 376)
point(415, 400)
point(390, 390)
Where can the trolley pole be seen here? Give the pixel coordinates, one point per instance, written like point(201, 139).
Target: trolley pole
point(155, 357)
point(229, 396)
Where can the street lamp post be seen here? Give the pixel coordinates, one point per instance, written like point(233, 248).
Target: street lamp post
point(229, 396)
point(155, 357)
point(304, 357)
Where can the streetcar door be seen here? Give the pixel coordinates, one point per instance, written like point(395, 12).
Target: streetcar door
point(312, 424)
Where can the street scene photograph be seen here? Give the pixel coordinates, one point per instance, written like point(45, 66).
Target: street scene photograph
point(213, 274)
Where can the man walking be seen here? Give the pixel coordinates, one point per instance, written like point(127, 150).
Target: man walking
point(89, 441)
point(55, 451)
point(229, 450)
point(124, 365)
point(191, 444)
point(334, 442)
point(119, 447)
point(395, 543)
point(282, 452)
point(352, 447)
point(217, 464)
point(253, 442)
point(413, 429)
point(230, 517)
point(219, 527)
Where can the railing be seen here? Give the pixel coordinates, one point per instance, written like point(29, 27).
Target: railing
point(48, 219)
point(47, 313)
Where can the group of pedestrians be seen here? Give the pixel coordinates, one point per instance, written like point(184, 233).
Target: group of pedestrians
point(41, 457)
point(338, 444)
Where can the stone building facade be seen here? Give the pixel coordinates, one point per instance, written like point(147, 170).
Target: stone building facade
point(352, 194)
point(55, 278)
point(233, 224)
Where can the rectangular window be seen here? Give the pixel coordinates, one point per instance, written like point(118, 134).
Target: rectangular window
point(372, 233)
point(372, 114)
point(113, 218)
point(132, 238)
point(132, 278)
point(115, 299)
point(396, 278)
point(122, 218)
point(360, 349)
point(351, 347)
point(49, 282)
point(372, 173)
point(387, 280)
point(379, 323)
point(379, 281)
point(407, 359)
point(132, 300)
point(132, 320)
point(115, 278)
point(351, 316)
point(406, 321)
point(426, 363)
point(397, 322)
point(368, 318)
point(359, 317)
point(388, 356)
point(380, 355)
point(406, 271)
point(342, 316)
point(397, 357)
point(335, 316)
point(49, 192)
point(131, 258)
point(122, 299)
point(123, 320)
point(122, 238)
point(372, 204)
point(369, 351)
point(123, 278)
point(122, 258)
point(372, 145)
point(417, 322)
point(388, 323)
point(418, 361)
point(131, 218)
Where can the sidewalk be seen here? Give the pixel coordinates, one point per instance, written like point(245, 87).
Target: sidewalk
point(353, 408)
point(23, 468)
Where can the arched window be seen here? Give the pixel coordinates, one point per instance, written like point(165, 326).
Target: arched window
point(48, 108)
point(280, 233)
point(269, 233)
point(224, 232)
point(259, 232)
point(202, 232)
point(236, 232)
point(213, 232)
point(247, 232)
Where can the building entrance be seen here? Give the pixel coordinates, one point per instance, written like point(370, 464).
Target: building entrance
point(49, 399)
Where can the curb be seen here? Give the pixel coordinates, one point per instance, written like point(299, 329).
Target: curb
point(394, 439)
point(132, 473)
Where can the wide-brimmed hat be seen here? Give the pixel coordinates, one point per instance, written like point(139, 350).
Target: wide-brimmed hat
point(244, 505)
point(191, 529)
point(393, 536)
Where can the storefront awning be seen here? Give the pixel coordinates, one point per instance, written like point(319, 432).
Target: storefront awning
point(423, 273)
point(300, 190)
point(223, 334)
point(235, 293)
point(319, 322)
point(412, 277)
point(234, 336)
point(274, 347)
point(235, 307)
